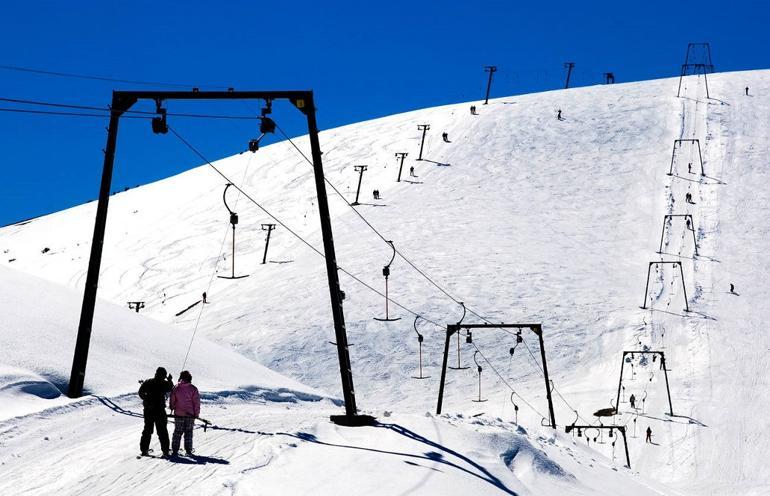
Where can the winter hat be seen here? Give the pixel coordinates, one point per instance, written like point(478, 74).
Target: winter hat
point(160, 373)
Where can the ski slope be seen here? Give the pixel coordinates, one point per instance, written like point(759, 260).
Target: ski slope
point(523, 217)
point(269, 433)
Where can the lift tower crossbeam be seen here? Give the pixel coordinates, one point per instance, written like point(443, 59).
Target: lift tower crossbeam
point(536, 328)
point(620, 428)
point(303, 100)
point(678, 142)
point(681, 273)
point(691, 228)
point(662, 366)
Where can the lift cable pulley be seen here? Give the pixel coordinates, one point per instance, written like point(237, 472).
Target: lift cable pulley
point(159, 123)
point(266, 126)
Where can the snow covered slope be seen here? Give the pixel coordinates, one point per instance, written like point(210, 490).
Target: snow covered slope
point(38, 338)
point(269, 434)
point(524, 218)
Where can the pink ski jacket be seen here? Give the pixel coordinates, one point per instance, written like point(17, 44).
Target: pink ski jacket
point(185, 400)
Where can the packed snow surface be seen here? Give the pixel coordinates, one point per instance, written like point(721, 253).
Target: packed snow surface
point(524, 218)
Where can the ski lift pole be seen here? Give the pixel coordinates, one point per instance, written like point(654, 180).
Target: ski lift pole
point(424, 128)
point(491, 69)
point(402, 156)
point(269, 228)
point(665, 374)
point(360, 169)
point(80, 358)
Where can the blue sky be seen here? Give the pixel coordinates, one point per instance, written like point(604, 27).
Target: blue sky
point(362, 59)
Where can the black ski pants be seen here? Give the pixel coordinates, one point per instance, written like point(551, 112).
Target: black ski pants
point(158, 421)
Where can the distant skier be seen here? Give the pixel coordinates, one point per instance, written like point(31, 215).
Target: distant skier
point(185, 406)
point(376, 194)
point(689, 225)
point(558, 115)
point(747, 91)
point(411, 172)
point(153, 393)
point(445, 137)
point(688, 198)
point(732, 288)
point(649, 435)
point(632, 400)
point(689, 167)
point(204, 297)
point(473, 110)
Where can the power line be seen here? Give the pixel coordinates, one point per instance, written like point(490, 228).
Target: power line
point(107, 110)
point(70, 114)
point(45, 72)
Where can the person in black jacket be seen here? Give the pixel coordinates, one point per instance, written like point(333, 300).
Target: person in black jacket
point(153, 393)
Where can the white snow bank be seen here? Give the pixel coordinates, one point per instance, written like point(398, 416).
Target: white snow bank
point(39, 327)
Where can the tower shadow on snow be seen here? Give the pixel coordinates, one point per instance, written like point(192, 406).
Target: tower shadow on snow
point(437, 453)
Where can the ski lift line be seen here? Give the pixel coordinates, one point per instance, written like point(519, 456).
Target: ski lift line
point(216, 268)
point(307, 243)
point(334, 188)
point(107, 110)
point(553, 384)
point(101, 78)
point(506, 382)
point(409, 262)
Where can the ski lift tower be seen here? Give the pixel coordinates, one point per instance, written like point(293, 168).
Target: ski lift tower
point(303, 100)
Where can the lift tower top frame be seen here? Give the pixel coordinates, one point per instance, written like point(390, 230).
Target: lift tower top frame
point(303, 100)
point(678, 143)
point(536, 328)
point(662, 366)
point(620, 428)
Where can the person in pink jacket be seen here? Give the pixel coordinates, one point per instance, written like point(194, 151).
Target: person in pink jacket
point(185, 406)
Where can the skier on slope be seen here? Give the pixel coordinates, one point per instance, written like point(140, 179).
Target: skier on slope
point(649, 435)
point(153, 393)
point(473, 110)
point(445, 137)
point(411, 172)
point(185, 406)
point(558, 114)
point(632, 400)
